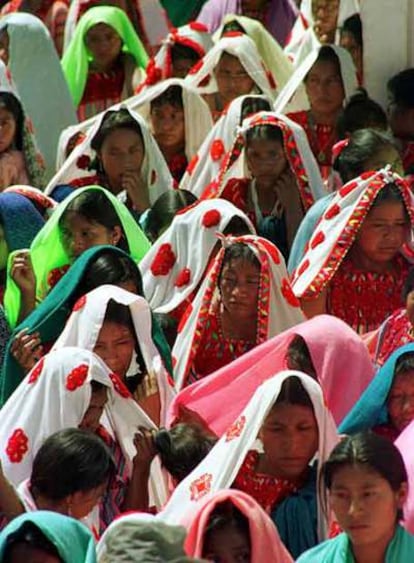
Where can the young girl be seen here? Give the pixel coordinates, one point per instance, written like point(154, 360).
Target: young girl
point(161, 214)
point(101, 60)
point(353, 267)
point(245, 299)
point(366, 480)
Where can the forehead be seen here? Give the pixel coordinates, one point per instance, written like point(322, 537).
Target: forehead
point(230, 62)
point(101, 29)
point(387, 210)
point(121, 136)
point(264, 144)
point(324, 68)
point(354, 475)
point(241, 265)
point(287, 413)
point(74, 219)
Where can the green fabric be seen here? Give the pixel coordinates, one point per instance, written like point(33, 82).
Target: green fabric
point(181, 12)
point(50, 317)
point(75, 61)
point(73, 541)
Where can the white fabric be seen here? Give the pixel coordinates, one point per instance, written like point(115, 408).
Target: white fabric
point(84, 324)
point(154, 170)
point(192, 244)
point(224, 131)
point(41, 406)
point(226, 457)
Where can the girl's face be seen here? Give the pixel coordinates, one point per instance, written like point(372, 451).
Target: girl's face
point(122, 152)
point(383, 232)
point(92, 417)
point(232, 78)
point(168, 126)
point(239, 288)
point(78, 234)
point(83, 502)
point(227, 545)
point(401, 400)
point(7, 129)
point(325, 88)
point(104, 44)
point(115, 346)
point(365, 505)
point(266, 159)
point(290, 439)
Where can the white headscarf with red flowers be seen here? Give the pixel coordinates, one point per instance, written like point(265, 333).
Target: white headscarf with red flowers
point(176, 263)
point(55, 395)
point(84, 324)
point(277, 307)
point(338, 228)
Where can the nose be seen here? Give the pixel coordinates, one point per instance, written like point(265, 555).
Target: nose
point(77, 245)
point(355, 507)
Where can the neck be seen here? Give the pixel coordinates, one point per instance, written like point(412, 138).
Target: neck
point(263, 466)
point(97, 67)
point(362, 262)
point(322, 118)
point(171, 151)
point(43, 503)
point(373, 553)
point(238, 328)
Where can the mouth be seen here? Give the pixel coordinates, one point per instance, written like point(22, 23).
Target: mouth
point(357, 527)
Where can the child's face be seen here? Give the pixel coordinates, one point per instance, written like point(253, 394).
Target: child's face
point(401, 400)
point(104, 44)
point(168, 126)
point(266, 159)
point(7, 129)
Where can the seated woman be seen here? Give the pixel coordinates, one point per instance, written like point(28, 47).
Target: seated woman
point(161, 214)
point(101, 77)
point(371, 469)
point(283, 178)
point(244, 300)
point(232, 68)
point(354, 267)
point(52, 537)
point(288, 415)
point(73, 388)
point(387, 405)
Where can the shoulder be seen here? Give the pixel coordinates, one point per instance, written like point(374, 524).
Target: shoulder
point(333, 551)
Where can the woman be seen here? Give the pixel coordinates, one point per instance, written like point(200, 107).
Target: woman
point(244, 300)
point(367, 472)
point(28, 49)
point(99, 78)
point(387, 405)
point(271, 175)
point(360, 261)
point(162, 212)
point(299, 518)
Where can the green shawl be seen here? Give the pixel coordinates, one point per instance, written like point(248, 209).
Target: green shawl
point(181, 12)
point(75, 61)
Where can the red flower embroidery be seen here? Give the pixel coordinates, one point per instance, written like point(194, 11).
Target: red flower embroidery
point(211, 218)
point(217, 149)
point(56, 274)
point(198, 26)
point(17, 446)
point(77, 377)
point(332, 212)
point(184, 318)
point(304, 267)
point(36, 371)
point(154, 73)
point(317, 239)
point(79, 303)
point(164, 260)
point(183, 278)
point(235, 430)
point(119, 386)
point(201, 486)
point(288, 294)
point(348, 188)
point(192, 164)
point(83, 162)
point(271, 250)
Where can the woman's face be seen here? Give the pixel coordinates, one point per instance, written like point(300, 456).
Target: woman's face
point(168, 127)
point(232, 78)
point(290, 439)
point(115, 346)
point(122, 153)
point(239, 288)
point(227, 545)
point(365, 505)
point(7, 129)
point(78, 234)
point(325, 88)
point(400, 401)
point(25, 553)
point(92, 417)
point(104, 44)
point(83, 502)
point(266, 159)
point(325, 13)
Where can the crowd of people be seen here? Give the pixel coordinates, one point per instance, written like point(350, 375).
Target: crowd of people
point(206, 285)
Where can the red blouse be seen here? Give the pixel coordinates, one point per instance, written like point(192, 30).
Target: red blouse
point(396, 332)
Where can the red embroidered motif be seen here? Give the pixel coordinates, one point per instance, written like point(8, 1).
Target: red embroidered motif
point(192, 164)
point(77, 377)
point(79, 303)
point(348, 188)
point(288, 293)
point(332, 212)
point(198, 26)
point(56, 274)
point(17, 446)
point(271, 250)
point(201, 486)
point(36, 371)
point(154, 73)
point(211, 218)
point(302, 268)
point(183, 278)
point(83, 162)
point(317, 239)
point(236, 429)
point(164, 260)
point(184, 318)
point(217, 149)
point(119, 386)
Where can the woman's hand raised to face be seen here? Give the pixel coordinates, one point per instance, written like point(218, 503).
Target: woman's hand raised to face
point(27, 349)
point(144, 444)
point(23, 274)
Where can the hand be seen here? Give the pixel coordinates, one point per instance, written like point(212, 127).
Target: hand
point(144, 444)
point(136, 190)
point(27, 349)
point(23, 274)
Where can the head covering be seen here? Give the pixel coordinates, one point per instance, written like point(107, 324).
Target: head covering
point(83, 327)
point(44, 204)
point(280, 17)
point(76, 173)
point(20, 220)
point(297, 150)
point(337, 229)
point(266, 544)
point(219, 468)
point(73, 541)
point(341, 361)
point(278, 309)
point(242, 47)
point(195, 227)
point(293, 97)
point(76, 59)
point(206, 163)
point(49, 105)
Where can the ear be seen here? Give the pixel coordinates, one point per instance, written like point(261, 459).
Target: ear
point(116, 235)
point(401, 495)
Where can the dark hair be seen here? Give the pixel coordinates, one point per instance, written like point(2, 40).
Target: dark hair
point(327, 55)
point(172, 96)
point(232, 25)
point(239, 251)
point(408, 286)
point(404, 364)
point(353, 26)
point(293, 392)
point(299, 358)
point(401, 87)
point(95, 206)
point(120, 119)
point(163, 211)
point(79, 458)
point(390, 193)
point(237, 227)
point(179, 52)
point(182, 448)
point(10, 103)
point(225, 515)
point(252, 105)
point(363, 145)
point(360, 112)
point(30, 535)
point(264, 133)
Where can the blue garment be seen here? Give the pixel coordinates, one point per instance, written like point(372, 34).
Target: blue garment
point(20, 220)
point(371, 409)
